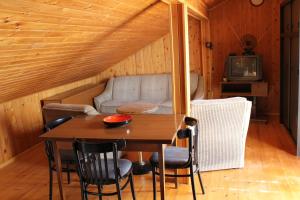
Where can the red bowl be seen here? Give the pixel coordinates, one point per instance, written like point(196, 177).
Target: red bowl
point(117, 120)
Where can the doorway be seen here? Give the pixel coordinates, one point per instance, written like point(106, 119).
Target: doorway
point(290, 107)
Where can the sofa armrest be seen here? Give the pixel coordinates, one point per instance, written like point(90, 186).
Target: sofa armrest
point(53, 111)
point(200, 89)
point(106, 95)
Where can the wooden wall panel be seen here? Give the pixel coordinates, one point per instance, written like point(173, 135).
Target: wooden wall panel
point(155, 58)
point(212, 3)
point(21, 120)
point(151, 59)
point(50, 43)
point(195, 45)
point(229, 22)
point(206, 56)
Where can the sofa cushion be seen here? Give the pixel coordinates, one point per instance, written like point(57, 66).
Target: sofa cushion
point(126, 88)
point(165, 107)
point(154, 88)
point(168, 104)
point(111, 106)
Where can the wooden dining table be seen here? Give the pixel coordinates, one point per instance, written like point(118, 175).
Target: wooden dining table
point(146, 132)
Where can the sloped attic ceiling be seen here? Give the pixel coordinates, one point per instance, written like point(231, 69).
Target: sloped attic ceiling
point(47, 43)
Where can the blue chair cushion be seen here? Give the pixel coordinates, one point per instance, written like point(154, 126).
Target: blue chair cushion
point(125, 167)
point(175, 157)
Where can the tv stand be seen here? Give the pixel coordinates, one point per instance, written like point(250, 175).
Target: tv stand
point(251, 89)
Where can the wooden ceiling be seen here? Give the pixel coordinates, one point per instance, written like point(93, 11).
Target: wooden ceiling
point(47, 43)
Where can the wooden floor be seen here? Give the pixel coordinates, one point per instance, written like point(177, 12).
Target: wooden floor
point(271, 172)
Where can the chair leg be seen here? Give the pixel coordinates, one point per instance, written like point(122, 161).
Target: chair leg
point(118, 190)
point(100, 192)
point(154, 182)
point(132, 186)
point(50, 183)
point(68, 174)
point(201, 184)
point(176, 178)
point(82, 190)
point(193, 182)
point(85, 193)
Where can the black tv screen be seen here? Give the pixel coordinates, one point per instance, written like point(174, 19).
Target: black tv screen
point(246, 68)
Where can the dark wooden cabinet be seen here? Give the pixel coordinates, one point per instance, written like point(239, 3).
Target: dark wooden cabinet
point(286, 18)
point(290, 68)
point(285, 80)
point(252, 89)
point(295, 15)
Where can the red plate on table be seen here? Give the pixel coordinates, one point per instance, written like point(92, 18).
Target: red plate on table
point(117, 120)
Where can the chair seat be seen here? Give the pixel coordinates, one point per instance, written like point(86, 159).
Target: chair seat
point(175, 157)
point(124, 165)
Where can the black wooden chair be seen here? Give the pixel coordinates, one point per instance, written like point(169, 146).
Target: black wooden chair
point(95, 169)
point(67, 155)
point(181, 158)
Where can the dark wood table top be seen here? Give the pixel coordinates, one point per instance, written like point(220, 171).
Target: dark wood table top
point(144, 128)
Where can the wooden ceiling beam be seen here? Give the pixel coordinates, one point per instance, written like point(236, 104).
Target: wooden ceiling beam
point(196, 9)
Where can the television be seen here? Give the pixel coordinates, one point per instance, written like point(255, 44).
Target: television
point(244, 68)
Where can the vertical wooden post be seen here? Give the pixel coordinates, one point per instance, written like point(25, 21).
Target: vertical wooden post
point(180, 62)
point(180, 57)
point(206, 57)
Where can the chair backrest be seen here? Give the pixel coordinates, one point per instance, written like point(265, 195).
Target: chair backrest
point(51, 125)
point(192, 123)
point(92, 162)
point(191, 132)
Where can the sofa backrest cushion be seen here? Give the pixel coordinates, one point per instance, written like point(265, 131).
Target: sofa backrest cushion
point(126, 88)
point(154, 88)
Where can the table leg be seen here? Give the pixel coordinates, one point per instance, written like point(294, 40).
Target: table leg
point(161, 160)
point(141, 167)
point(58, 170)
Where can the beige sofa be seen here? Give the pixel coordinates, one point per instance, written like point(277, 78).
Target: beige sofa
point(155, 89)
